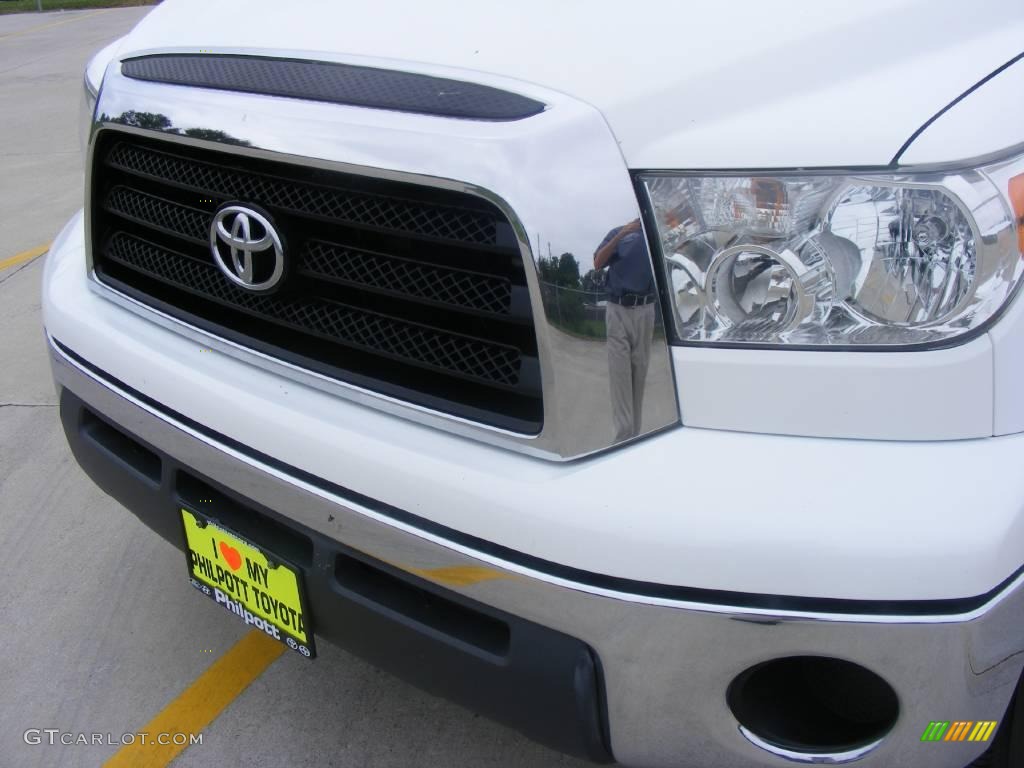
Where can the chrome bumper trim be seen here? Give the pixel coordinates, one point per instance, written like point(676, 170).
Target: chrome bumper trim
point(811, 758)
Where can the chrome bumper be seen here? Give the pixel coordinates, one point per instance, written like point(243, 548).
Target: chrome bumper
point(666, 663)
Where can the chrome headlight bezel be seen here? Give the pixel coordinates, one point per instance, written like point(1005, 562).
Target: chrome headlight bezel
point(689, 250)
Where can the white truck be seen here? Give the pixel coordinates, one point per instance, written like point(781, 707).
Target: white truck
point(646, 379)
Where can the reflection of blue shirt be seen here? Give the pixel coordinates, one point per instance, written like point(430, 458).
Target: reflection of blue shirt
point(629, 269)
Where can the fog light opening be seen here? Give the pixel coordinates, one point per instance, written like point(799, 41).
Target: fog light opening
point(814, 705)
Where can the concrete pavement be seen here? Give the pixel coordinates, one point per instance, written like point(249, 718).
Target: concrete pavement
point(101, 629)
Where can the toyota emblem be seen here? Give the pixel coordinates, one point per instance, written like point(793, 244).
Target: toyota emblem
point(246, 248)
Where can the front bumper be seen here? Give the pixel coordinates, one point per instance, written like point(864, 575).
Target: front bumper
point(665, 664)
point(540, 681)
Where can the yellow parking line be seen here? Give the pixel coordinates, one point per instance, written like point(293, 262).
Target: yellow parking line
point(460, 575)
point(52, 24)
point(200, 704)
point(25, 256)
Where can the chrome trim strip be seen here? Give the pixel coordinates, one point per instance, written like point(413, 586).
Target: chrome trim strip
point(810, 758)
point(90, 87)
point(672, 659)
point(558, 176)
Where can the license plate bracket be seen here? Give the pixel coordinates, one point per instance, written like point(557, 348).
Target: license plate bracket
point(264, 591)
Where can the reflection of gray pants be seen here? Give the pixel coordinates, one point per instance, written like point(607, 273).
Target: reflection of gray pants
point(630, 330)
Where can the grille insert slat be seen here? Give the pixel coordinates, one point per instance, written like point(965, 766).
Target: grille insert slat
point(346, 325)
point(343, 206)
point(190, 223)
point(457, 288)
point(405, 289)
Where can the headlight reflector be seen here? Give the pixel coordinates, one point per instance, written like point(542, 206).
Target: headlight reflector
point(755, 286)
point(837, 260)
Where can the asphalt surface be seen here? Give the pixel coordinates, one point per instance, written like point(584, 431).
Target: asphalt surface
point(100, 627)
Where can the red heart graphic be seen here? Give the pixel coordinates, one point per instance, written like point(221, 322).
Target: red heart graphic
point(232, 555)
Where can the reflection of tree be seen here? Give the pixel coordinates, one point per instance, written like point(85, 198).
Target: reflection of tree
point(151, 121)
point(154, 121)
point(562, 271)
point(594, 281)
point(208, 134)
point(571, 304)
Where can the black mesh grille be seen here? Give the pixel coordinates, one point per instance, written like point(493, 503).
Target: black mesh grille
point(337, 322)
point(446, 286)
point(176, 219)
point(415, 292)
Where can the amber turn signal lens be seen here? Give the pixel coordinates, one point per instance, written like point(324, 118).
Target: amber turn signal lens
point(1017, 201)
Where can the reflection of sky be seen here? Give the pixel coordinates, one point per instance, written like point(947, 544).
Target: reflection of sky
point(584, 226)
point(561, 173)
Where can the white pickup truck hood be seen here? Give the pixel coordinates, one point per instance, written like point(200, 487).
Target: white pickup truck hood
point(740, 84)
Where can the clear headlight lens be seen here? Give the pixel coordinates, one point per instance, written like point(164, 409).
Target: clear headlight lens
point(839, 260)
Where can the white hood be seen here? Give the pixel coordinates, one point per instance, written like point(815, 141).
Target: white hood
point(738, 84)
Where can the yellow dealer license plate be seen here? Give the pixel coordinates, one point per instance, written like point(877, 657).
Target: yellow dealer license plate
point(262, 591)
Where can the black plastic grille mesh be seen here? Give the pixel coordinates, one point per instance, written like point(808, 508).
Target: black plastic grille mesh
point(189, 222)
point(361, 209)
point(446, 286)
point(416, 292)
point(370, 330)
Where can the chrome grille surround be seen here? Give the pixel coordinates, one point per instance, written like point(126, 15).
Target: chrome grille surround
point(558, 177)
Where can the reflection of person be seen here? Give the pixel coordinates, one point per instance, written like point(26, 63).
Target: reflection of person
point(630, 322)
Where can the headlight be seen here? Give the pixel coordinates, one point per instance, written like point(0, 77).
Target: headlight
point(859, 259)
